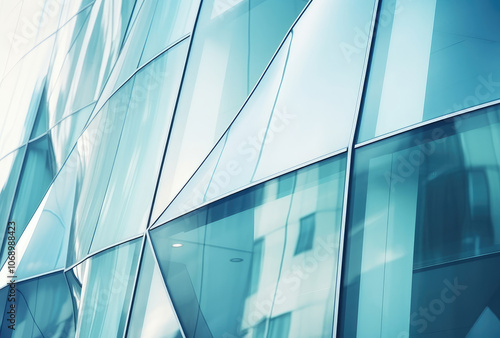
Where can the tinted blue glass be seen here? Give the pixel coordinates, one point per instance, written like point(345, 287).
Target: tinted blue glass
point(36, 175)
point(232, 43)
point(152, 313)
point(244, 245)
point(107, 281)
point(43, 308)
point(430, 58)
point(423, 238)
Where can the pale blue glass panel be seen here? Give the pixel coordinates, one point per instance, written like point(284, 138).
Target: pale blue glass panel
point(314, 112)
point(423, 239)
point(43, 309)
point(430, 58)
point(233, 164)
point(172, 20)
point(20, 93)
point(68, 41)
point(130, 54)
point(152, 313)
point(35, 178)
point(47, 245)
point(91, 58)
point(72, 7)
point(193, 193)
point(10, 169)
point(66, 133)
point(228, 55)
point(93, 159)
point(245, 246)
point(108, 282)
point(130, 192)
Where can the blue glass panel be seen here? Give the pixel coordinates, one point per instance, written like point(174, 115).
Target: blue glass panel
point(232, 44)
point(92, 159)
point(231, 163)
point(43, 308)
point(152, 313)
point(107, 285)
point(423, 239)
point(244, 246)
point(43, 246)
point(10, 168)
point(129, 195)
point(172, 20)
point(36, 175)
point(20, 92)
point(91, 57)
point(430, 58)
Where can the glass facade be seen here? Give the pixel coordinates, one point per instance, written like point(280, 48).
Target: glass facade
point(249, 168)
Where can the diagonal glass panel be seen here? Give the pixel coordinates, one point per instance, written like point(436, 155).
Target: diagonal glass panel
point(93, 159)
point(91, 58)
point(314, 112)
point(43, 246)
point(66, 133)
point(20, 93)
point(130, 54)
point(172, 20)
point(152, 313)
point(106, 284)
point(10, 169)
point(430, 58)
point(36, 176)
point(43, 309)
point(232, 163)
point(232, 44)
point(245, 245)
point(129, 195)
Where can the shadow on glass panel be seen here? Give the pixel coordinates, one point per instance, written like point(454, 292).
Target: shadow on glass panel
point(42, 308)
point(423, 241)
point(261, 262)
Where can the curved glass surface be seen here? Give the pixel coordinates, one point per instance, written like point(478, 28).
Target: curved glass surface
point(423, 239)
point(42, 309)
point(232, 44)
point(273, 248)
point(129, 194)
point(152, 314)
point(105, 285)
point(430, 58)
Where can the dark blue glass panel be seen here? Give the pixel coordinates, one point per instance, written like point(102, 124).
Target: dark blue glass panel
point(423, 240)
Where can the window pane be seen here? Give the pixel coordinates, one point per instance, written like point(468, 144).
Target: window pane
point(431, 58)
point(131, 187)
point(152, 313)
point(232, 44)
point(424, 233)
point(43, 309)
point(107, 280)
point(244, 245)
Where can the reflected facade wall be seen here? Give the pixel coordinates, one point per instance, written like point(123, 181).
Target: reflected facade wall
point(249, 168)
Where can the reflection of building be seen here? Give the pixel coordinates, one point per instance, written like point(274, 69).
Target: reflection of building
point(241, 168)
